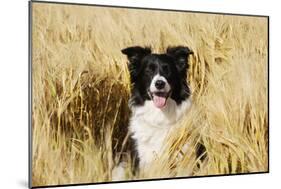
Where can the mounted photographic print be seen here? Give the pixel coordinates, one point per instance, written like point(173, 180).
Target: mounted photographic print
point(122, 94)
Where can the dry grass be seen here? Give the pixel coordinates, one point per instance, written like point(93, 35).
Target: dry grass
point(81, 89)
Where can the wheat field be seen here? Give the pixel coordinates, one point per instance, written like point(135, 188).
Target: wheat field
point(80, 91)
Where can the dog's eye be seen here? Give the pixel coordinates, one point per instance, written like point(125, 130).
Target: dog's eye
point(151, 67)
point(166, 69)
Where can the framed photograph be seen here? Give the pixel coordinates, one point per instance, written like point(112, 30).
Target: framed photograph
point(121, 94)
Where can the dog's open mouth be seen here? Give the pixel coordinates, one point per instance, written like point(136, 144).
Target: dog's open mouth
point(160, 98)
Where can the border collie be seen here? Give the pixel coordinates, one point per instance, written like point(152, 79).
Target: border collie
point(160, 97)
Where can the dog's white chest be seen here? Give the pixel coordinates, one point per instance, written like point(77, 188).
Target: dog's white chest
point(150, 126)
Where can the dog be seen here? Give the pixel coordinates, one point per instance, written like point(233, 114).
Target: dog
point(160, 97)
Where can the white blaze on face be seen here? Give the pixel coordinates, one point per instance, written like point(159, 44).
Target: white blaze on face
point(159, 100)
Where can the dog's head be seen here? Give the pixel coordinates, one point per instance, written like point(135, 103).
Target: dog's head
point(158, 77)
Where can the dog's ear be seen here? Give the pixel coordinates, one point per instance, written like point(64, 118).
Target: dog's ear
point(136, 53)
point(180, 53)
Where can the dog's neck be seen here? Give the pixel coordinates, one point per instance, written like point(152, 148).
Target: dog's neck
point(164, 117)
point(150, 126)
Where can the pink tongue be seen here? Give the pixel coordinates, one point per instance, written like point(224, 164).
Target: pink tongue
point(159, 101)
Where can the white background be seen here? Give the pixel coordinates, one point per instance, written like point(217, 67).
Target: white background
point(14, 92)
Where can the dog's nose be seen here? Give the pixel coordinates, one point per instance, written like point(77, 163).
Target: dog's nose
point(159, 84)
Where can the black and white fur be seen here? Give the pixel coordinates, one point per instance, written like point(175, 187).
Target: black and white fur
point(160, 97)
